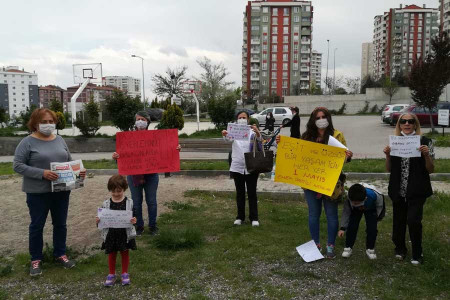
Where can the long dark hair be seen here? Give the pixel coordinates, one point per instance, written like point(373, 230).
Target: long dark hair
point(312, 132)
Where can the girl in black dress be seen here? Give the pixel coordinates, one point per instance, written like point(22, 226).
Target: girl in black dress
point(118, 239)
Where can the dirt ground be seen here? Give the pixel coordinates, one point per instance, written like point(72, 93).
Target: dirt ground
point(81, 229)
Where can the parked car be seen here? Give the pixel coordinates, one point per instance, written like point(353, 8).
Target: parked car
point(282, 115)
point(422, 113)
point(389, 109)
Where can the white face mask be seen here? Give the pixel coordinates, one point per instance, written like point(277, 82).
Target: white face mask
point(141, 124)
point(47, 129)
point(242, 121)
point(322, 123)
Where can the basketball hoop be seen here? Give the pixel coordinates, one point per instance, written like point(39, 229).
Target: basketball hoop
point(192, 87)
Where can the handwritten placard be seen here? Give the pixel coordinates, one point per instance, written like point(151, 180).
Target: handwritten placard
point(147, 151)
point(238, 132)
point(443, 117)
point(114, 218)
point(312, 166)
point(405, 146)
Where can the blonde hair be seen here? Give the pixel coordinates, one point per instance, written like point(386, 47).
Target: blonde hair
point(416, 125)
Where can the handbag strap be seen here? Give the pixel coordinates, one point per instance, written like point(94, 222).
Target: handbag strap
point(255, 144)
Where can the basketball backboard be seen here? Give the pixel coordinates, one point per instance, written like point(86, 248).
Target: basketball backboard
point(192, 86)
point(81, 72)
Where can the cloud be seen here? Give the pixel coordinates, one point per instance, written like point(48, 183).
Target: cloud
point(168, 50)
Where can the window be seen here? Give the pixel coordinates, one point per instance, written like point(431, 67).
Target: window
point(295, 38)
point(285, 66)
point(265, 19)
point(264, 82)
point(285, 39)
point(255, 27)
point(265, 9)
point(285, 57)
point(264, 73)
point(265, 38)
point(274, 83)
point(264, 66)
point(285, 74)
point(285, 30)
point(274, 21)
point(297, 29)
point(265, 28)
point(22, 82)
point(296, 19)
point(264, 55)
point(286, 11)
point(274, 30)
point(296, 9)
point(264, 46)
point(286, 21)
point(274, 75)
point(295, 66)
point(285, 84)
point(295, 47)
point(275, 11)
point(274, 48)
point(274, 66)
point(285, 48)
point(274, 39)
point(274, 57)
point(280, 111)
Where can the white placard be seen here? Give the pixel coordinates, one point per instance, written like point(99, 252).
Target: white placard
point(238, 132)
point(114, 218)
point(443, 117)
point(309, 252)
point(332, 141)
point(405, 146)
point(68, 175)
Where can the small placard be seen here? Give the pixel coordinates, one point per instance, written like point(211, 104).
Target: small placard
point(238, 132)
point(443, 117)
point(114, 218)
point(405, 146)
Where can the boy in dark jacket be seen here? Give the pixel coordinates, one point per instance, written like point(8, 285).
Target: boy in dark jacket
point(362, 200)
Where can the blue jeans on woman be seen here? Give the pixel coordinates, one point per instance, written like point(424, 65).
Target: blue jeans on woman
point(315, 210)
point(150, 187)
point(39, 204)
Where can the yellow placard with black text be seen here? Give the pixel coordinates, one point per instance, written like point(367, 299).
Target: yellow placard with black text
point(312, 166)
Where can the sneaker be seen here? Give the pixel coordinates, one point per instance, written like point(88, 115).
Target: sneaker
point(153, 230)
point(237, 222)
point(400, 256)
point(319, 247)
point(65, 262)
point(417, 262)
point(330, 251)
point(255, 223)
point(371, 254)
point(125, 279)
point(35, 268)
point(347, 252)
point(110, 279)
point(139, 230)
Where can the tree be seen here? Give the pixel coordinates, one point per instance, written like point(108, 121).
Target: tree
point(340, 91)
point(122, 109)
point(353, 85)
point(172, 118)
point(367, 83)
point(87, 120)
point(4, 116)
point(213, 78)
point(25, 116)
point(429, 77)
point(61, 121)
point(390, 88)
point(170, 83)
point(56, 105)
point(400, 79)
point(154, 103)
point(222, 111)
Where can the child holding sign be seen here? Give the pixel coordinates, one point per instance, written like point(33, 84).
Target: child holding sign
point(362, 200)
point(118, 239)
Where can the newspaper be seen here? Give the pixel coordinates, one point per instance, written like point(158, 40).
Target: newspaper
point(68, 175)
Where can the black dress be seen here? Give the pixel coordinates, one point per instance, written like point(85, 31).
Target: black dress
point(116, 240)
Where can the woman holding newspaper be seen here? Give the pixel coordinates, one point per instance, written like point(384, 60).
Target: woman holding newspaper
point(409, 186)
point(32, 160)
point(241, 176)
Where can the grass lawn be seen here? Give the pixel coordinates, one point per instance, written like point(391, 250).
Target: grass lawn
point(356, 165)
point(439, 139)
point(202, 134)
point(199, 254)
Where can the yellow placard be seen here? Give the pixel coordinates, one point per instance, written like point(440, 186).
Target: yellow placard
point(312, 166)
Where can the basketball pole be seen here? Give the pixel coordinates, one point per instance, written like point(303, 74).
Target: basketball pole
point(198, 111)
point(73, 103)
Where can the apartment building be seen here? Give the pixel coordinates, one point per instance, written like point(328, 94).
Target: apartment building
point(402, 36)
point(366, 60)
point(444, 8)
point(97, 93)
point(130, 85)
point(316, 68)
point(51, 92)
point(18, 90)
point(276, 52)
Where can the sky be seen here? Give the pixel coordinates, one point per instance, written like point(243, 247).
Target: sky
point(49, 36)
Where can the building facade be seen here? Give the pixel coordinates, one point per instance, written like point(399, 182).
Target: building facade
point(51, 92)
point(444, 8)
point(366, 60)
point(276, 52)
point(402, 36)
point(97, 93)
point(18, 90)
point(316, 69)
point(131, 85)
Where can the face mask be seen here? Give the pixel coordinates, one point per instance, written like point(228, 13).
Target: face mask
point(46, 129)
point(242, 121)
point(322, 123)
point(141, 124)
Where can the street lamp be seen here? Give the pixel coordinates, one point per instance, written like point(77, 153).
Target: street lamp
point(143, 85)
point(328, 56)
point(334, 70)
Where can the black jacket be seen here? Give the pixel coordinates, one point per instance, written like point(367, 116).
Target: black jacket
point(419, 184)
point(295, 126)
point(270, 124)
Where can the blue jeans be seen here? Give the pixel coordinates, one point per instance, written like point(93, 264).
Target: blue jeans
point(150, 187)
point(39, 205)
point(315, 209)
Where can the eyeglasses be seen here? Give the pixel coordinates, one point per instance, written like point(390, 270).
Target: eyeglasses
point(409, 121)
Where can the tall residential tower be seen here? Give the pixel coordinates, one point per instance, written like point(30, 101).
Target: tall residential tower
point(276, 52)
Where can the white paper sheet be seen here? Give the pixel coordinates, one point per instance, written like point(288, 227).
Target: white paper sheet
point(114, 218)
point(238, 132)
point(335, 143)
point(405, 146)
point(309, 252)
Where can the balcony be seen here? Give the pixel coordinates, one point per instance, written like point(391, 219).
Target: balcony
point(254, 86)
point(254, 59)
point(304, 77)
point(255, 42)
point(305, 51)
point(304, 69)
point(254, 69)
point(304, 86)
point(256, 51)
point(306, 42)
point(305, 32)
point(254, 78)
point(305, 60)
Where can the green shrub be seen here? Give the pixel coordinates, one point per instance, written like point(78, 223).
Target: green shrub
point(179, 239)
point(374, 109)
point(172, 118)
point(87, 120)
point(25, 116)
point(122, 109)
point(340, 111)
point(222, 110)
point(365, 109)
point(61, 121)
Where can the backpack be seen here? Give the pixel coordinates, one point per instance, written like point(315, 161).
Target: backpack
point(380, 203)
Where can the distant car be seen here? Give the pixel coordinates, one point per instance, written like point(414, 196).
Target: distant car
point(389, 109)
point(155, 113)
point(282, 115)
point(422, 113)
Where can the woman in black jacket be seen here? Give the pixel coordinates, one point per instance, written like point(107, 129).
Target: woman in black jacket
point(409, 186)
point(270, 122)
point(294, 123)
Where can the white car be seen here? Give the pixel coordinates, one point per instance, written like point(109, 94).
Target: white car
point(389, 110)
point(282, 115)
